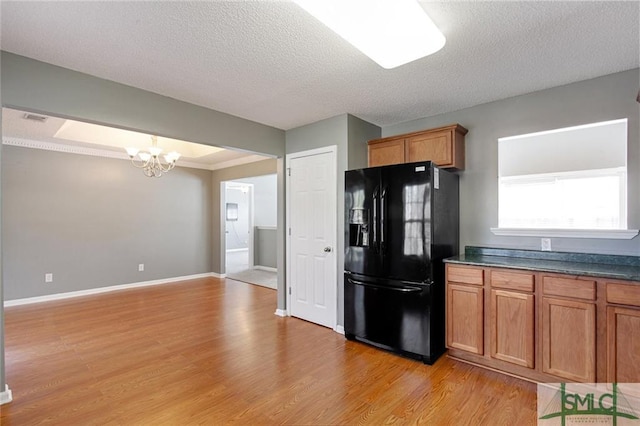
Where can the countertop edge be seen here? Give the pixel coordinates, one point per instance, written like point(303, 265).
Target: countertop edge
point(625, 273)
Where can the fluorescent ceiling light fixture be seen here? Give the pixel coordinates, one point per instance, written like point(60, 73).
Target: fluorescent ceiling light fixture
point(391, 32)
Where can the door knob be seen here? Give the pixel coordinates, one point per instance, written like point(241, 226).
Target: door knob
point(327, 249)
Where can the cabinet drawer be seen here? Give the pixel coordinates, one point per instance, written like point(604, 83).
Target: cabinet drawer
point(623, 294)
point(512, 280)
point(569, 287)
point(467, 275)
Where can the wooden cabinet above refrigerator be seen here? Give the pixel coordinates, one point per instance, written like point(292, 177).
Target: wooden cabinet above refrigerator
point(443, 145)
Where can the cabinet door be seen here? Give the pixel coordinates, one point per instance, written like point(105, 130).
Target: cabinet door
point(465, 311)
point(569, 339)
point(387, 152)
point(512, 327)
point(436, 147)
point(623, 343)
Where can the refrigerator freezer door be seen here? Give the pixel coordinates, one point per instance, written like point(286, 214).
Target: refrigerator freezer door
point(393, 315)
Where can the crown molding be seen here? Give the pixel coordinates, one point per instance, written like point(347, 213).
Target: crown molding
point(239, 161)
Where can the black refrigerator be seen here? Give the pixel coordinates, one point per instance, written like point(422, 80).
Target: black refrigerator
point(401, 222)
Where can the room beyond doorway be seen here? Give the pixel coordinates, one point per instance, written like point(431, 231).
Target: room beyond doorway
point(237, 270)
point(250, 216)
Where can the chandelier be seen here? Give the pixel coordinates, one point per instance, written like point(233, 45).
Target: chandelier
point(150, 162)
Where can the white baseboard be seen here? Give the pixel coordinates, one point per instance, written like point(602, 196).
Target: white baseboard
point(281, 313)
point(217, 275)
point(6, 396)
point(59, 296)
point(339, 329)
point(265, 268)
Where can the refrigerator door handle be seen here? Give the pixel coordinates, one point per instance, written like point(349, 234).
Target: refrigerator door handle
point(406, 289)
point(375, 218)
point(383, 208)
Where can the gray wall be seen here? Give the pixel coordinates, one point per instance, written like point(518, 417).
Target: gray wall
point(265, 245)
point(265, 199)
point(604, 98)
point(281, 238)
point(350, 134)
point(359, 133)
point(36, 86)
point(2, 373)
point(90, 221)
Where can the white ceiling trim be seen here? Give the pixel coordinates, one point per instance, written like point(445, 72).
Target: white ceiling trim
point(49, 146)
point(68, 149)
point(239, 161)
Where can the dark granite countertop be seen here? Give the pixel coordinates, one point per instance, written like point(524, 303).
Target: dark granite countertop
point(592, 265)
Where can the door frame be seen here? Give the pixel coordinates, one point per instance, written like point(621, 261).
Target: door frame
point(333, 150)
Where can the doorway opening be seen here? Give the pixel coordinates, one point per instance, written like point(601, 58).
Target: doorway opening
point(249, 210)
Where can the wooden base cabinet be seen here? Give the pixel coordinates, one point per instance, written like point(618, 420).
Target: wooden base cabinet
point(569, 327)
point(465, 309)
point(569, 339)
point(623, 335)
point(512, 327)
point(543, 326)
point(465, 327)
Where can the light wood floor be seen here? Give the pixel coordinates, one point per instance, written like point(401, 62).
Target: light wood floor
point(212, 351)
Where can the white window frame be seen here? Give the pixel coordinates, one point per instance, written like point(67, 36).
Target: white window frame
point(619, 233)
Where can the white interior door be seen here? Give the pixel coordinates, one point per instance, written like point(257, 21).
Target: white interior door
point(312, 235)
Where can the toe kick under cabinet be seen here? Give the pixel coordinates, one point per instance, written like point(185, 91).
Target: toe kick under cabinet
point(542, 326)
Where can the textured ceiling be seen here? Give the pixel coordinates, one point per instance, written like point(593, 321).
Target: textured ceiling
point(270, 62)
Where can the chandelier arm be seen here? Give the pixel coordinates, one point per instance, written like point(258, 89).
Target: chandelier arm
point(141, 164)
point(164, 168)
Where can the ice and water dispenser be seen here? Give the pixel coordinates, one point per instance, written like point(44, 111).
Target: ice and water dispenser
point(359, 227)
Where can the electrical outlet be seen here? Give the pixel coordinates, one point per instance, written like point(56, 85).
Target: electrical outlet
point(545, 244)
point(48, 278)
point(141, 267)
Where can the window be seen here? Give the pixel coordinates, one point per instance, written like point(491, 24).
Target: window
point(564, 182)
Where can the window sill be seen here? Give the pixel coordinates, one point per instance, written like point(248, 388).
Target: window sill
point(613, 234)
